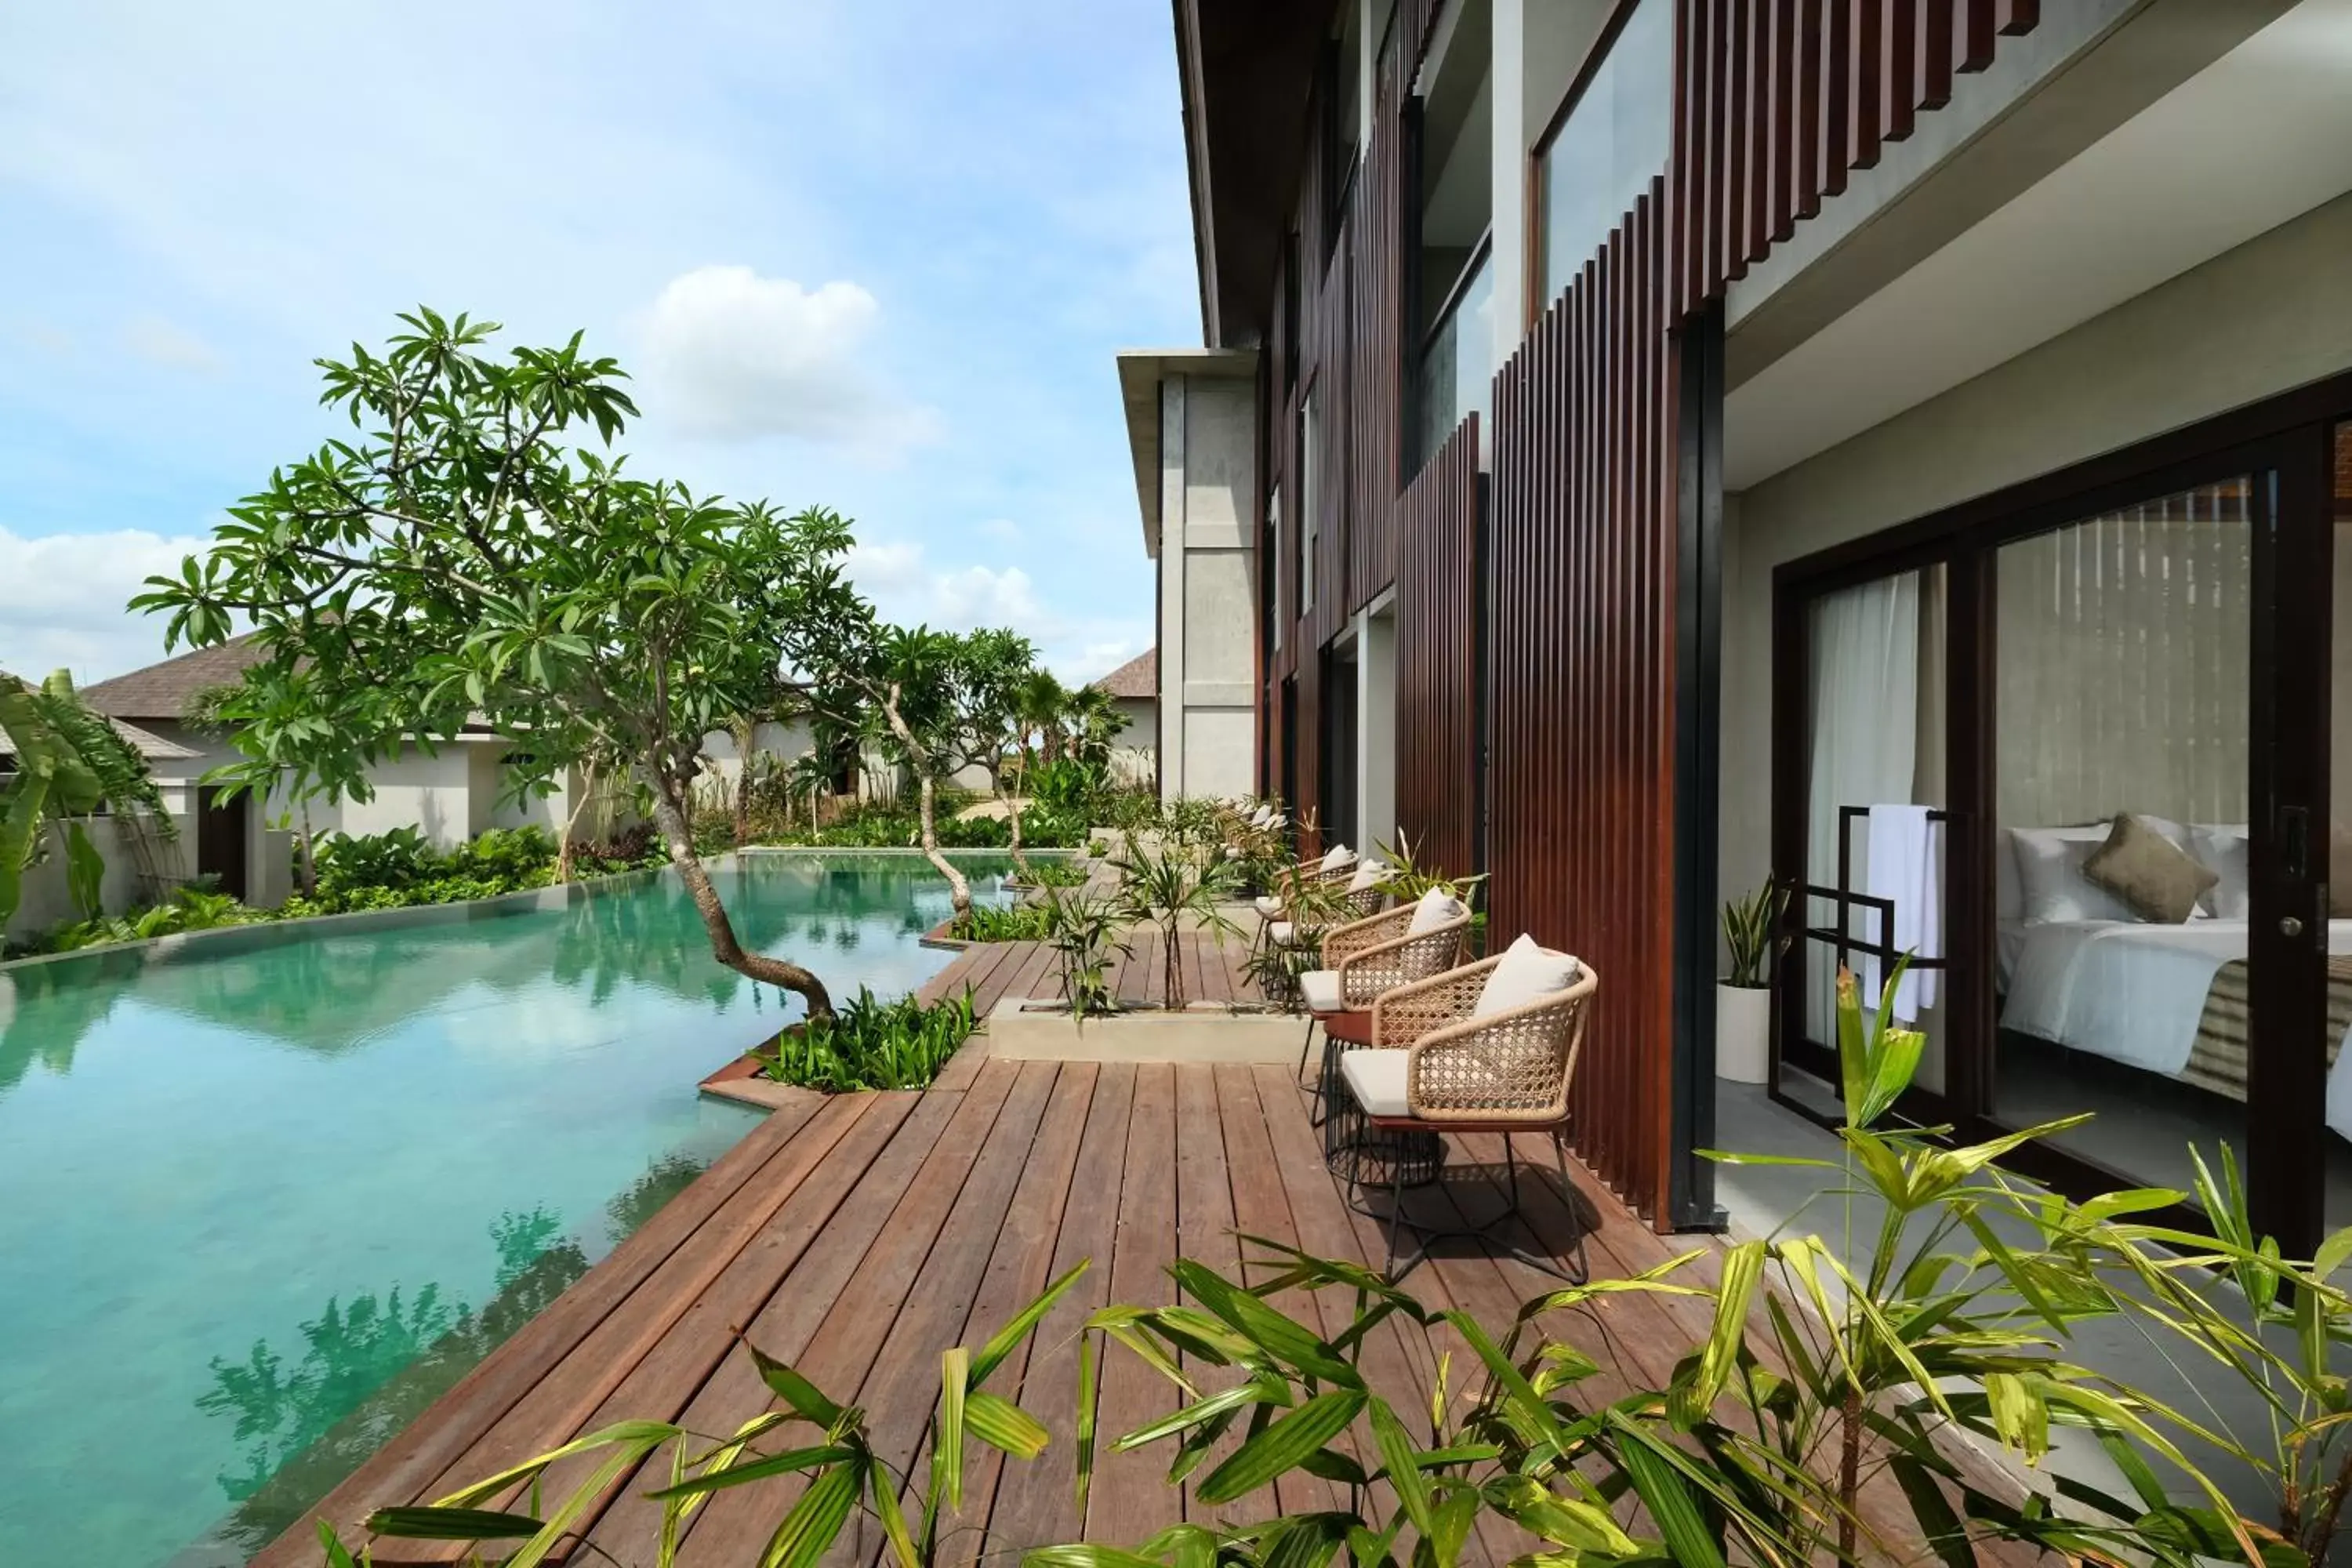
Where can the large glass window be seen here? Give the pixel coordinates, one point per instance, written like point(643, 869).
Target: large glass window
point(1615, 137)
point(1451, 312)
point(2121, 731)
point(1310, 458)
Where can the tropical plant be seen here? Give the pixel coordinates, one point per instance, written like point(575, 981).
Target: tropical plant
point(1071, 873)
point(1751, 930)
point(1170, 885)
point(456, 565)
point(1408, 879)
point(1001, 923)
point(1083, 932)
point(187, 909)
point(847, 1473)
point(867, 1043)
point(69, 762)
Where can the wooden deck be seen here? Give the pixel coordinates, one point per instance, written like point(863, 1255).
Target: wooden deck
point(1212, 971)
point(859, 1237)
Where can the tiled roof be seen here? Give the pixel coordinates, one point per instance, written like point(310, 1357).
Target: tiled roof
point(154, 748)
point(162, 690)
point(1139, 677)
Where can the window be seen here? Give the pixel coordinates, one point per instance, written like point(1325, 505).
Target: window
point(1450, 323)
point(1310, 492)
point(1614, 137)
point(1343, 116)
point(1290, 293)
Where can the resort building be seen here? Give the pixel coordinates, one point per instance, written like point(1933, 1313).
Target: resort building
point(1640, 449)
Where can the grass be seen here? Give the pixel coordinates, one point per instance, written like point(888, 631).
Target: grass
point(1008, 922)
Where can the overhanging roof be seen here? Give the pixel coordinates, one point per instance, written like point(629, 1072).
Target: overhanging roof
point(1140, 372)
point(1246, 68)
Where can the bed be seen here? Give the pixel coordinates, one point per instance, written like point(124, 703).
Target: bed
point(2166, 999)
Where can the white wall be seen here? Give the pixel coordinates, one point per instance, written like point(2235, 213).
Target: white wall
point(432, 792)
point(47, 900)
point(2272, 314)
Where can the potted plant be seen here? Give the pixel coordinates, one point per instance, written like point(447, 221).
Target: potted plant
point(1743, 1001)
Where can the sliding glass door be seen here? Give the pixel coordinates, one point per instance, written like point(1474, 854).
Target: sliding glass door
point(2085, 750)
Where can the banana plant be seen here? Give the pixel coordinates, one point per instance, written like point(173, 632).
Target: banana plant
point(845, 1476)
point(69, 762)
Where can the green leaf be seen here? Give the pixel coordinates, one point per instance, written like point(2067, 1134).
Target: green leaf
point(990, 1356)
point(1398, 1456)
point(893, 1519)
point(451, 1524)
point(1743, 1268)
point(1085, 1555)
point(1002, 1425)
point(1281, 1445)
point(1668, 1498)
point(809, 1530)
point(1086, 1423)
point(721, 1476)
point(955, 1373)
point(1281, 1337)
point(1938, 1525)
point(338, 1554)
point(798, 1392)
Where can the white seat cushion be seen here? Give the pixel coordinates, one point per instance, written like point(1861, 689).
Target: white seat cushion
point(1338, 858)
point(1437, 907)
point(1377, 1079)
point(1267, 908)
point(1526, 973)
point(1283, 931)
point(1369, 875)
point(1320, 989)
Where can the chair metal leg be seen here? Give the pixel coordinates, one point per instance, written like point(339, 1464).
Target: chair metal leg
point(1581, 1271)
point(1396, 1219)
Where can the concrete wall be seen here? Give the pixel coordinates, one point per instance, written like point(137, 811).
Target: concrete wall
point(1138, 723)
point(432, 792)
point(2269, 315)
point(1208, 585)
point(47, 900)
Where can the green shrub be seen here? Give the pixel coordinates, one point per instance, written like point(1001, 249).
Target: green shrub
point(1014, 923)
point(188, 908)
point(868, 1044)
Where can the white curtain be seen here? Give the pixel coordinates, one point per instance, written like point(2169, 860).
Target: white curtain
point(1865, 748)
point(2123, 654)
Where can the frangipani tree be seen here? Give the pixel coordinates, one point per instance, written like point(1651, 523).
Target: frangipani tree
point(456, 565)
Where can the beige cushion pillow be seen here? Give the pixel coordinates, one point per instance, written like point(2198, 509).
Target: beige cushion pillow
point(1339, 857)
point(1526, 973)
point(1369, 875)
point(2151, 875)
point(1436, 908)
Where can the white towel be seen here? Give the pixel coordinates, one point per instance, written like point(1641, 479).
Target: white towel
point(1906, 868)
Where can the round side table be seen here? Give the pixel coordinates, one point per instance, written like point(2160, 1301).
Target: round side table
point(1353, 1149)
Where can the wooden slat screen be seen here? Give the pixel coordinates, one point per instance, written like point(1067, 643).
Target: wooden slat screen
point(1778, 100)
point(1581, 586)
point(1437, 657)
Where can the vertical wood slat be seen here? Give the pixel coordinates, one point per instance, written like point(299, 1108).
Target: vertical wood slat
point(1579, 585)
point(1437, 647)
point(1972, 50)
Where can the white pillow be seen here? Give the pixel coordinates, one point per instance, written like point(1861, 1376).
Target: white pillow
point(1435, 908)
point(2050, 876)
point(2221, 849)
point(1369, 875)
point(1527, 973)
point(1340, 858)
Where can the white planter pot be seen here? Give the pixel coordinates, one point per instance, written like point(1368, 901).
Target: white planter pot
point(1743, 1032)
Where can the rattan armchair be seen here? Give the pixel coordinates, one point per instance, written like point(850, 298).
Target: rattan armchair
point(1365, 959)
point(1435, 1066)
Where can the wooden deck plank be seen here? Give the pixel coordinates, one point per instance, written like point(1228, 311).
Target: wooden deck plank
point(1032, 979)
point(733, 1526)
point(1188, 949)
point(1037, 1503)
point(1019, 1270)
point(900, 1390)
point(460, 1417)
point(607, 1369)
point(733, 1394)
point(1130, 1498)
point(1205, 1233)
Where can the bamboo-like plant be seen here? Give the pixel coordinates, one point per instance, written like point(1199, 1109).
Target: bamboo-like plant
point(1168, 886)
point(1752, 931)
point(1408, 879)
point(847, 1476)
point(1083, 932)
point(69, 762)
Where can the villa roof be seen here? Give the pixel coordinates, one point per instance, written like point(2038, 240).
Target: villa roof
point(152, 747)
point(1139, 677)
point(162, 690)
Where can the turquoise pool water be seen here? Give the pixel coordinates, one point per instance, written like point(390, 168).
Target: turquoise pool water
point(262, 1206)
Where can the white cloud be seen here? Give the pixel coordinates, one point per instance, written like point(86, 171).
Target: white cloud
point(157, 341)
point(731, 356)
point(908, 590)
point(62, 601)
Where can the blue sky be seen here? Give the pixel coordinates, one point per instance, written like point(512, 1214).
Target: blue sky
point(875, 254)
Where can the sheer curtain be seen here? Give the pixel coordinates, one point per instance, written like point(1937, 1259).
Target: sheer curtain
point(2123, 674)
point(1865, 747)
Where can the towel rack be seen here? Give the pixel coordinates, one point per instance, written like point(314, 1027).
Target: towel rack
point(1840, 936)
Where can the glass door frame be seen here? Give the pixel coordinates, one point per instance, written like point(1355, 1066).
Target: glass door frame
point(2285, 446)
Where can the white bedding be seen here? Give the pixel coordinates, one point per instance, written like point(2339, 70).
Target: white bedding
point(2134, 992)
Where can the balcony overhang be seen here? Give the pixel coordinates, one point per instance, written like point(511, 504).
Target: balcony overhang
point(1140, 372)
point(1246, 68)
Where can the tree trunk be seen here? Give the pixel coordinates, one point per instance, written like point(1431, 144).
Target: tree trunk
point(926, 797)
point(745, 735)
point(310, 864)
point(571, 820)
point(671, 822)
point(1013, 820)
point(1173, 971)
point(959, 891)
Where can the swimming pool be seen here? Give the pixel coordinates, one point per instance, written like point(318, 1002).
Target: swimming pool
point(265, 1201)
